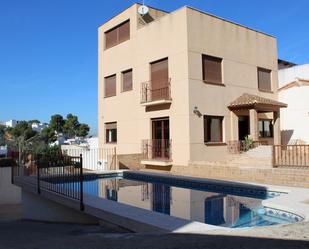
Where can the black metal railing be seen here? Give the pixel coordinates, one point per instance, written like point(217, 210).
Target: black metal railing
point(150, 93)
point(55, 172)
point(62, 171)
point(157, 149)
point(61, 174)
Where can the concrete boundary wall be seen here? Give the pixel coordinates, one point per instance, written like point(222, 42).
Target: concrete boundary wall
point(9, 193)
point(41, 209)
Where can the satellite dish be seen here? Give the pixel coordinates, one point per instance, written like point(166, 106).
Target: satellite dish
point(143, 10)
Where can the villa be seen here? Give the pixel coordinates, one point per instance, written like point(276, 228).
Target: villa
point(178, 92)
point(184, 87)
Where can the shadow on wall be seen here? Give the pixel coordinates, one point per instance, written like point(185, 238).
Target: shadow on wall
point(286, 136)
point(130, 161)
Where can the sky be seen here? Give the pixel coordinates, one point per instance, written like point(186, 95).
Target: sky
point(48, 48)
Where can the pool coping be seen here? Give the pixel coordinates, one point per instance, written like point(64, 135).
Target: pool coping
point(141, 220)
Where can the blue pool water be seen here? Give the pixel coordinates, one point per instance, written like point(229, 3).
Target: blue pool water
point(224, 205)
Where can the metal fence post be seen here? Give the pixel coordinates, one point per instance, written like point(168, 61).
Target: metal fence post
point(12, 173)
point(38, 179)
point(81, 178)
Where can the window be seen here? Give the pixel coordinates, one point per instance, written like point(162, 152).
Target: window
point(117, 35)
point(213, 129)
point(265, 128)
point(127, 80)
point(159, 71)
point(111, 132)
point(159, 79)
point(110, 86)
point(264, 79)
point(212, 69)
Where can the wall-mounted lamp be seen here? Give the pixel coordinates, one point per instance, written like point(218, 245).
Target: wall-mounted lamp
point(197, 112)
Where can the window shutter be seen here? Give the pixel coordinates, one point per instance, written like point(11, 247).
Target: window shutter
point(110, 86)
point(124, 32)
point(212, 71)
point(127, 80)
point(109, 126)
point(117, 35)
point(111, 38)
point(159, 73)
point(264, 79)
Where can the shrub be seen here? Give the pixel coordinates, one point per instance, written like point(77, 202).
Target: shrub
point(248, 143)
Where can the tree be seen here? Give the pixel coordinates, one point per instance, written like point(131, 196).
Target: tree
point(34, 121)
point(23, 130)
point(56, 123)
point(83, 130)
point(23, 134)
point(71, 125)
point(48, 135)
point(2, 135)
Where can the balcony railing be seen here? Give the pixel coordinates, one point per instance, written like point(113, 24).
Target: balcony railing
point(157, 149)
point(161, 91)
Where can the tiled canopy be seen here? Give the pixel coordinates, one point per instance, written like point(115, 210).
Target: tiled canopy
point(248, 101)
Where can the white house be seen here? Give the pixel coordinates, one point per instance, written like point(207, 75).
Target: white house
point(11, 123)
point(294, 90)
point(3, 151)
point(38, 126)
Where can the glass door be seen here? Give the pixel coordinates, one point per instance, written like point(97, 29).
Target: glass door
point(160, 138)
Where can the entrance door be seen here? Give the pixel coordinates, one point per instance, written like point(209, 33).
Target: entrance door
point(159, 79)
point(243, 127)
point(160, 138)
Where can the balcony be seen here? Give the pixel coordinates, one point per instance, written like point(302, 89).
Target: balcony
point(156, 93)
point(157, 152)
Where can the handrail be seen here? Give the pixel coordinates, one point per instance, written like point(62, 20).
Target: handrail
point(149, 94)
point(157, 149)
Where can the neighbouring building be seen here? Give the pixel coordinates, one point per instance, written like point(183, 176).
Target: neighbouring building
point(38, 127)
point(10, 123)
point(294, 90)
point(3, 151)
point(282, 64)
point(183, 87)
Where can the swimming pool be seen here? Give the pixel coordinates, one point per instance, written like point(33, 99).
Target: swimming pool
point(212, 202)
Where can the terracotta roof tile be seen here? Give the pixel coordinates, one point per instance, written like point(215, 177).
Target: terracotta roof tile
point(248, 100)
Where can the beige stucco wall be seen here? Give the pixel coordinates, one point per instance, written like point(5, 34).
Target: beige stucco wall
point(182, 36)
point(165, 37)
point(242, 50)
